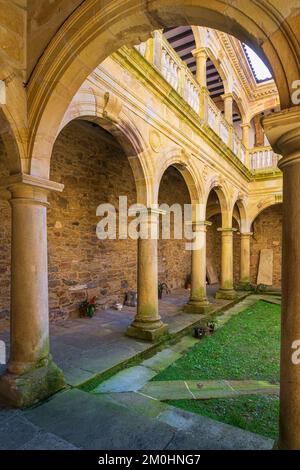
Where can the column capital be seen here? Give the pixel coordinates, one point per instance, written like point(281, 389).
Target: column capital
point(227, 95)
point(200, 52)
point(245, 125)
point(283, 132)
point(227, 229)
point(199, 224)
point(29, 189)
point(246, 234)
point(151, 211)
point(25, 180)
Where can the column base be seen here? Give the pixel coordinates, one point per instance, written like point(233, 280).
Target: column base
point(227, 294)
point(245, 286)
point(147, 334)
point(198, 307)
point(21, 391)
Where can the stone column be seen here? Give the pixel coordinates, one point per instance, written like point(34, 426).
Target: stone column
point(198, 302)
point(245, 134)
point(201, 58)
point(147, 323)
point(259, 133)
point(283, 132)
point(31, 374)
point(245, 261)
point(226, 290)
point(246, 141)
point(228, 107)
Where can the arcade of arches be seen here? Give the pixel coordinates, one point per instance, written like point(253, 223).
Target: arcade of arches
point(93, 107)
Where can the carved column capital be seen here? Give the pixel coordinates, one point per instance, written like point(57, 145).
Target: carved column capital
point(283, 132)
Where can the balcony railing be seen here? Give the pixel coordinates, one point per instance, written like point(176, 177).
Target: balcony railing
point(262, 158)
point(166, 61)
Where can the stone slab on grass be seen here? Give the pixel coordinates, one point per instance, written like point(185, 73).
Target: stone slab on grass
point(128, 380)
point(184, 344)
point(139, 403)
point(205, 389)
point(161, 360)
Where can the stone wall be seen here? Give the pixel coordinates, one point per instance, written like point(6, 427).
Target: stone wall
point(213, 244)
point(174, 261)
point(94, 169)
point(267, 232)
point(5, 237)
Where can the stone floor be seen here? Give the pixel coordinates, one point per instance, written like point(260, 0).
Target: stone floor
point(85, 347)
point(128, 419)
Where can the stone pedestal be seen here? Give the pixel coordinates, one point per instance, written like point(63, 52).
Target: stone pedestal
point(244, 283)
point(31, 374)
point(198, 302)
point(226, 290)
point(147, 324)
point(283, 132)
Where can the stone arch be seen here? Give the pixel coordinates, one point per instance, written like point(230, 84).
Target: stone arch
point(218, 185)
point(89, 106)
point(244, 220)
point(183, 163)
point(264, 204)
point(203, 40)
point(240, 105)
point(96, 29)
point(8, 135)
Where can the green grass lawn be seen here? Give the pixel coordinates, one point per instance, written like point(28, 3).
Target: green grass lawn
point(247, 347)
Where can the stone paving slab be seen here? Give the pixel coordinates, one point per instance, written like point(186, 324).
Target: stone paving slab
point(200, 432)
point(128, 380)
point(93, 422)
point(138, 403)
point(16, 431)
point(161, 360)
point(47, 441)
point(203, 390)
point(184, 344)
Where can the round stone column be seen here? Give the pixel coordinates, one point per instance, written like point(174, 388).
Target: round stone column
point(147, 323)
point(246, 142)
point(228, 107)
point(198, 302)
point(226, 290)
point(283, 132)
point(201, 58)
point(245, 261)
point(31, 374)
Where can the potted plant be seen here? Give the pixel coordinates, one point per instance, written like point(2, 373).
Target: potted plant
point(211, 325)
point(162, 286)
point(87, 307)
point(199, 332)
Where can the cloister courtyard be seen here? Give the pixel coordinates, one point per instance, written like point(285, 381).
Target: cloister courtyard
point(150, 225)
